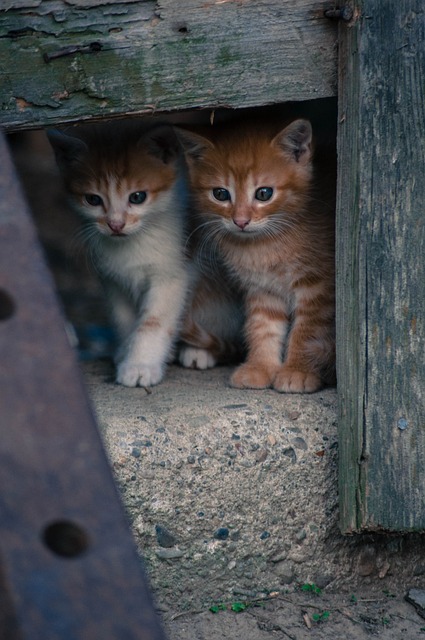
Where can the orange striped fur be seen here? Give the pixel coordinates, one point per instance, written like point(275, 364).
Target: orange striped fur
point(266, 215)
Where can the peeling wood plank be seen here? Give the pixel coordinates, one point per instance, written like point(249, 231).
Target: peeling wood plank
point(159, 56)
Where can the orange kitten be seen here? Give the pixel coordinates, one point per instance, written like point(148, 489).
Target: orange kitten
point(262, 213)
point(128, 182)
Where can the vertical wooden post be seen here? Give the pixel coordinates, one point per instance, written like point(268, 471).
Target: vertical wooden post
point(381, 266)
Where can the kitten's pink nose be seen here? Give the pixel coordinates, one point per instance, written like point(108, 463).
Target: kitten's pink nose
point(241, 222)
point(116, 226)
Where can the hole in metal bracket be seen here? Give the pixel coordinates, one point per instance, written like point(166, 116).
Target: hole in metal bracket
point(7, 305)
point(66, 539)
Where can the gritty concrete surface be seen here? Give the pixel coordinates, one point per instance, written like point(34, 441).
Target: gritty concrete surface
point(231, 495)
point(243, 481)
point(232, 498)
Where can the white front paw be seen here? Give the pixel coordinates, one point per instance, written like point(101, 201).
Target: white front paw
point(192, 358)
point(133, 374)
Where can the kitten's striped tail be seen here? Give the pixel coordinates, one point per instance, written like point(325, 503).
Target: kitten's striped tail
point(223, 350)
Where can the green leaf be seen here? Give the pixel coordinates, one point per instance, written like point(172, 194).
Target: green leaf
point(218, 607)
point(239, 606)
point(321, 617)
point(311, 587)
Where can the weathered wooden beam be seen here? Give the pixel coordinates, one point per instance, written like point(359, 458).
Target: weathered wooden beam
point(381, 266)
point(68, 565)
point(66, 60)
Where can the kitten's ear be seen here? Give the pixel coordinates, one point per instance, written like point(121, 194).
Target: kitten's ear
point(161, 142)
point(295, 140)
point(66, 148)
point(194, 144)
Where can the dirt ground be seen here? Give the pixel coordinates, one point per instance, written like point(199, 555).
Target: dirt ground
point(232, 496)
point(292, 617)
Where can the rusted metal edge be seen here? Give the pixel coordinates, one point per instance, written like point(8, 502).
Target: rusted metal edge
point(68, 565)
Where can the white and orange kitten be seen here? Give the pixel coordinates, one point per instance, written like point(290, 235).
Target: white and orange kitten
point(268, 217)
point(127, 180)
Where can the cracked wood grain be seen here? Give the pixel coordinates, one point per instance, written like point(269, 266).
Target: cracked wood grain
point(159, 56)
point(381, 270)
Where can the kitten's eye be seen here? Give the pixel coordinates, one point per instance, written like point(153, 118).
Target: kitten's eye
point(263, 194)
point(137, 197)
point(93, 200)
point(221, 194)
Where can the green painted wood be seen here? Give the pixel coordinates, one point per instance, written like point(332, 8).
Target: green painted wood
point(158, 56)
point(381, 267)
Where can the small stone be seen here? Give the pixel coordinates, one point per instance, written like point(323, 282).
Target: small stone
point(278, 556)
point(300, 556)
point(169, 554)
point(367, 561)
point(265, 535)
point(285, 572)
point(135, 452)
point(261, 455)
point(198, 421)
point(246, 463)
point(290, 453)
point(384, 569)
point(322, 580)
point(164, 537)
point(191, 459)
point(417, 598)
point(301, 535)
point(419, 570)
point(294, 415)
point(142, 443)
point(221, 534)
point(299, 443)
point(271, 439)
point(244, 592)
point(231, 565)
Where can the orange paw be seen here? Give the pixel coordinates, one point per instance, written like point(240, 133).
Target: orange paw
point(251, 376)
point(293, 381)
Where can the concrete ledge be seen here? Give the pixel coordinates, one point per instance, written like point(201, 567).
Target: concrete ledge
point(230, 492)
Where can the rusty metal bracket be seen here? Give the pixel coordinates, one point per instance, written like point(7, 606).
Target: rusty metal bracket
point(69, 569)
